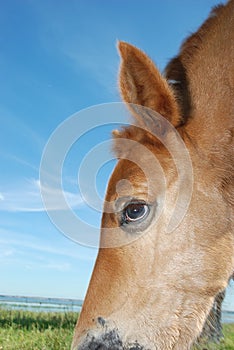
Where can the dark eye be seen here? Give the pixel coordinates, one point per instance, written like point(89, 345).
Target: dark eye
point(134, 211)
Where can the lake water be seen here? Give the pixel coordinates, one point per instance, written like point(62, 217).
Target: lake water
point(61, 305)
point(40, 304)
point(228, 317)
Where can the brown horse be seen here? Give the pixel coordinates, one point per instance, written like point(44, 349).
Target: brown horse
point(156, 291)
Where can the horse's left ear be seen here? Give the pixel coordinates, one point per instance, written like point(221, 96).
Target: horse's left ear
point(141, 83)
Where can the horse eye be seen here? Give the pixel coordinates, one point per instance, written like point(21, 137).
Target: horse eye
point(134, 211)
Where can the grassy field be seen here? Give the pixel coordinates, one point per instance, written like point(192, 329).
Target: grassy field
point(226, 344)
point(26, 330)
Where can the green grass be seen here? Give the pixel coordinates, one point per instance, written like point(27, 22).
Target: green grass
point(225, 344)
point(27, 330)
point(229, 336)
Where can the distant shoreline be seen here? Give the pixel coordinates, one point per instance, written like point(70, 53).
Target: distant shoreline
point(43, 304)
point(227, 316)
point(20, 298)
point(14, 302)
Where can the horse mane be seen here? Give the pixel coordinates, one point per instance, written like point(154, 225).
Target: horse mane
point(176, 72)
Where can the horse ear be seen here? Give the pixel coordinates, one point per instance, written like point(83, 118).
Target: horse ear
point(142, 84)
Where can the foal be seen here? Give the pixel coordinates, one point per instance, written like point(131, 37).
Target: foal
point(156, 291)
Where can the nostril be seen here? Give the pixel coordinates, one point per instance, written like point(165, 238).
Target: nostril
point(101, 347)
point(101, 321)
point(97, 347)
point(109, 340)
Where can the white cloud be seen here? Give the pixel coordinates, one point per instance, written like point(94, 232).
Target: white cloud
point(26, 197)
point(18, 243)
point(6, 252)
point(49, 265)
point(60, 267)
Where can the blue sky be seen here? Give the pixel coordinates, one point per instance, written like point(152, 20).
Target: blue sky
point(57, 58)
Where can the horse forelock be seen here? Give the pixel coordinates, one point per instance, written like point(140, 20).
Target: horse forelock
point(134, 133)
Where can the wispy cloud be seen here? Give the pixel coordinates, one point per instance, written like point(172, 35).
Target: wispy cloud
point(31, 259)
point(49, 265)
point(18, 160)
point(7, 252)
point(20, 244)
point(26, 197)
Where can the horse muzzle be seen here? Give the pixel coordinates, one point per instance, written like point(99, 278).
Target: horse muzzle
point(109, 340)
